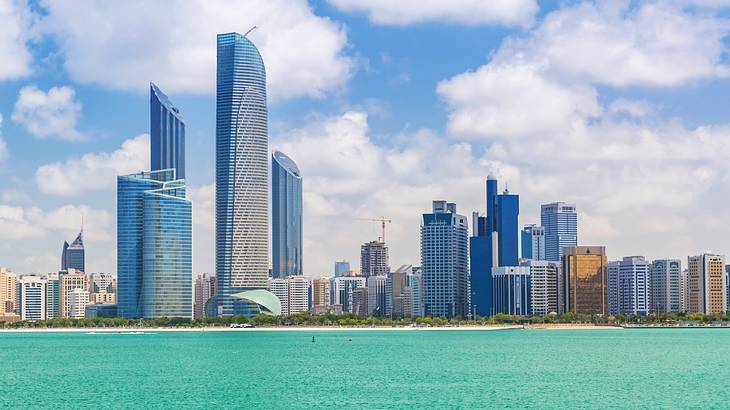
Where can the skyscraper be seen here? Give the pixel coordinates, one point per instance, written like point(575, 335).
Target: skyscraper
point(74, 256)
point(495, 244)
point(374, 259)
point(31, 297)
point(584, 284)
point(560, 221)
point(666, 286)
point(512, 290)
point(341, 267)
point(533, 242)
point(204, 290)
point(543, 286)
point(167, 134)
point(321, 292)
point(286, 216)
point(68, 282)
point(634, 283)
point(242, 196)
point(154, 246)
point(706, 285)
point(377, 295)
point(445, 261)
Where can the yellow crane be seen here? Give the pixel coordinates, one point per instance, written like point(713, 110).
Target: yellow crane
point(383, 220)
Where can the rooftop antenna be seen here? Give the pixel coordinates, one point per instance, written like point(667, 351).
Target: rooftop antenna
point(250, 30)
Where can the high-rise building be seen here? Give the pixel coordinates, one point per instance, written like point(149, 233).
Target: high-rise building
point(204, 291)
point(415, 282)
point(614, 291)
point(69, 281)
point(533, 242)
point(584, 285)
point(74, 256)
point(242, 173)
point(342, 288)
point(278, 286)
point(321, 292)
point(684, 291)
point(31, 298)
point(8, 292)
point(377, 295)
point(167, 134)
point(102, 282)
point(445, 261)
point(298, 287)
point(560, 221)
point(495, 244)
point(52, 295)
point(544, 285)
point(77, 301)
point(634, 283)
point(706, 285)
point(666, 286)
point(374, 259)
point(286, 216)
point(360, 300)
point(154, 246)
point(341, 267)
point(511, 290)
point(401, 292)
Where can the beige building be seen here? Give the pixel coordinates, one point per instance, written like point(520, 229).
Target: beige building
point(101, 298)
point(320, 292)
point(8, 292)
point(706, 284)
point(74, 279)
point(77, 300)
point(585, 280)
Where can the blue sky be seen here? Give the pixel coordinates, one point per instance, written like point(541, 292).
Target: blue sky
point(620, 107)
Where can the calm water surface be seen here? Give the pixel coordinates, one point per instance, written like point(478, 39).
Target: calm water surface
point(638, 368)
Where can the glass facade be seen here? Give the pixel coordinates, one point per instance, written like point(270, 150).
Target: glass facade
point(154, 246)
point(512, 290)
point(242, 171)
point(445, 261)
point(585, 280)
point(286, 217)
point(167, 134)
point(560, 222)
point(74, 256)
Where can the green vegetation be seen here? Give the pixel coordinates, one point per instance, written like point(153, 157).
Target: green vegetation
point(349, 319)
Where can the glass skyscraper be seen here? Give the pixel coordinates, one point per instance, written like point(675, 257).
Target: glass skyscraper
point(154, 246)
point(74, 256)
point(167, 134)
point(560, 221)
point(242, 168)
point(286, 216)
point(445, 261)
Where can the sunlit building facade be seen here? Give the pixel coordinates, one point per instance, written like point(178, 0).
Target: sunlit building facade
point(706, 284)
point(167, 134)
point(286, 216)
point(584, 283)
point(242, 173)
point(560, 222)
point(666, 284)
point(74, 256)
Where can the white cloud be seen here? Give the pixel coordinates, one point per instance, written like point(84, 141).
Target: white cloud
point(3, 144)
point(32, 222)
point(472, 12)
point(304, 53)
point(48, 114)
point(15, 20)
point(631, 107)
point(94, 171)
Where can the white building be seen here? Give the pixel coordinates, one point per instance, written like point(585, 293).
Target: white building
point(298, 294)
point(666, 286)
point(377, 295)
point(342, 288)
point(77, 301)
point(278, 287)
point(629, 286)
point(544, 285)
point(31, 297)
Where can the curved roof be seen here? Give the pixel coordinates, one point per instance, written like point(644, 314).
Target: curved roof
point(267, 301)
point(287, 163)
point(165, 100)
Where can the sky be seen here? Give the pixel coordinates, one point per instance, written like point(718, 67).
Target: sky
point(621, 107)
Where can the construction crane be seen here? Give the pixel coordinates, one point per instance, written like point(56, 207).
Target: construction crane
point(383, 220)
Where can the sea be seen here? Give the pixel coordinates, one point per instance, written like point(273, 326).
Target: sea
point(373, 369)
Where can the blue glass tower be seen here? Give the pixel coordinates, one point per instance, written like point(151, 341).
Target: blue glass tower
point(444, 261)
point(286, 216)
point(167, 134)
point(242, 173)
point(560, 221)
point(154, 246)
point(74, 256)
point(498, 246)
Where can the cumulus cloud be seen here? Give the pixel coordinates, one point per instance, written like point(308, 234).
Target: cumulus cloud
point(3, 145)
point(304, 53)
point(94, 171)
point(32, 222)
point(472, 12)
point(15, 20)
point(48, 114)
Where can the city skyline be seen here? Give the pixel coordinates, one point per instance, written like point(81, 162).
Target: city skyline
point(62, 153)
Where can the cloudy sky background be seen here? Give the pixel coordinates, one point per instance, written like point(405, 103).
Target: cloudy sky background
point(622, 107)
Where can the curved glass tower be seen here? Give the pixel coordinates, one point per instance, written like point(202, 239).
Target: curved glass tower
point(242, 197)
point(286, 216)
point(167, 134)
point(154, 246)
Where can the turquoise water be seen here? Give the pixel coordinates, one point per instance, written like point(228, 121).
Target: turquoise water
point(638, 368)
